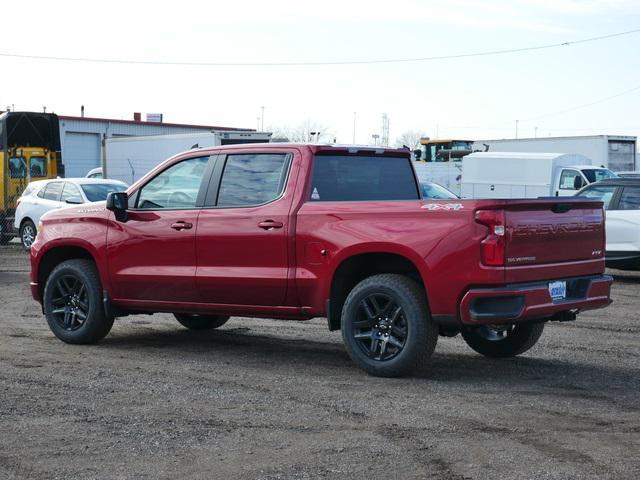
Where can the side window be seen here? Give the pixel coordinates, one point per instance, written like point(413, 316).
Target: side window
point(38, 167)
point(175, 187)
point(630, 199)
point(70, 191)
point(52, 191)
point(602, 193)
point(252, 179)
point(570, 180)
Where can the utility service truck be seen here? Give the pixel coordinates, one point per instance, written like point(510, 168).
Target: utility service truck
point(527, 175)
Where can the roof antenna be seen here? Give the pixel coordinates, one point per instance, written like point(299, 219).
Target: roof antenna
point(195, 145)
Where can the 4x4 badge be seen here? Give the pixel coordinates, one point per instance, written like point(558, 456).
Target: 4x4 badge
point(443, 206)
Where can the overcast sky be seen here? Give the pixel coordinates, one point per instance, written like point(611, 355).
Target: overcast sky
point(470, 97)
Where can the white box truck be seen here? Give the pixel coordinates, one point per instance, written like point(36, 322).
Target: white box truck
point(527, 175)
point(129, 158)
point(616, 152)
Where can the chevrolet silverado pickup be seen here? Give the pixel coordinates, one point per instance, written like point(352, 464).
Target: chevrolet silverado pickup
point(301, 231)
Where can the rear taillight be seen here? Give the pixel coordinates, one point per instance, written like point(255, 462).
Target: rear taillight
point(493, 246)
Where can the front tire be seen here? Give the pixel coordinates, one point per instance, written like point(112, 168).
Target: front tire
point(201, 322)
point(503, 341)
point(73, 303)
point(386, 326)
point(27, 234)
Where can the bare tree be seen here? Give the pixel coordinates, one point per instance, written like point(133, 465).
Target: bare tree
point(304, 132)
point(410, 138)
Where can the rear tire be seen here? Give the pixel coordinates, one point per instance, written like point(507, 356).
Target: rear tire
point(73, 303)
point(200, 322)
point(386, 326)
point(508, 341)
point(27, 234)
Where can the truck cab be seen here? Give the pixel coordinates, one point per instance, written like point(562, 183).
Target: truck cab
point(29, 151)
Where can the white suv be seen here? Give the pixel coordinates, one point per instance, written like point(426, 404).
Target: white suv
point(43, 195)
point(621, 197)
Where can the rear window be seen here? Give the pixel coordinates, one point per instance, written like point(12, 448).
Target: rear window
point(362, 178)
point(97, 192)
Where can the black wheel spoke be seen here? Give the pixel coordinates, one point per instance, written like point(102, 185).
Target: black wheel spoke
point(395, 342)
point(373, 347)
point(62, 288)
point(371, 313)
point(364, 335)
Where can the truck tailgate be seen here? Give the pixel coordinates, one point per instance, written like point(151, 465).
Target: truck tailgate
point(562, 237)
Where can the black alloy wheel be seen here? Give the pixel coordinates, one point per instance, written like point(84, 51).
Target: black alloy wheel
point(73, 302)
point(380, 329)
point(501, 341)
point(386, 325)
point(70, 302)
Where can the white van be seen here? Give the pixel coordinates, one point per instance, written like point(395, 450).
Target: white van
point(527, 175)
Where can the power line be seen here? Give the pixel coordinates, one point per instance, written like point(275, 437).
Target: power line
point(318, 63)
point(584, 105)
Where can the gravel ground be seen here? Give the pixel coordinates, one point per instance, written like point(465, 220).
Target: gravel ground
point(279, 399)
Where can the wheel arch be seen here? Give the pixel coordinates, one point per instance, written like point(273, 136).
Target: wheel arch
point(60, 253)
point(358, 264)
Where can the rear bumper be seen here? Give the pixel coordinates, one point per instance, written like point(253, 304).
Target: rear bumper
point(532, 301)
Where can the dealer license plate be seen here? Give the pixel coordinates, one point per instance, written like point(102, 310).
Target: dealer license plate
point(558, 290)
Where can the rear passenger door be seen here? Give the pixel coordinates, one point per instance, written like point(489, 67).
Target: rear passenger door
point(48, 198)
point(242, 242)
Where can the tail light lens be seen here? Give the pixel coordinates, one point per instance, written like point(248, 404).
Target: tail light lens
point(493, 246)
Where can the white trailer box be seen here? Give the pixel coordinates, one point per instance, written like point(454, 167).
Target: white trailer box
point(129, 158)
point(526, 175)
point(616, 152)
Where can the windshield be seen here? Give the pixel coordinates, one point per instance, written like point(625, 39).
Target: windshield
point(433, 190)
point(97, 192)
point(597, 174)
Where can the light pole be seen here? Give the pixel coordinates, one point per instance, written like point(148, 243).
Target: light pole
point(262, 119)
point(375, 137)
point(354, 128)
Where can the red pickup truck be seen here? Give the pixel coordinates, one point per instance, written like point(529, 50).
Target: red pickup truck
point(301, 231)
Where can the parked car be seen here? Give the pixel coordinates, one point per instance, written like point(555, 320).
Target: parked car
point(621, 197)
point(43, 195)
point(436, 191)
point(303, 231)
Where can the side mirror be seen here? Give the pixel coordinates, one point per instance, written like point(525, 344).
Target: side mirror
point(74, 200)
point(578, 183)
point(418, 153)
point(118, 203)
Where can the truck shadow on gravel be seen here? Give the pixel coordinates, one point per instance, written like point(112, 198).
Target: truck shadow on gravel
point(240, 347)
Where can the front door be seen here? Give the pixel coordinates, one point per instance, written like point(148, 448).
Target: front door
point(152, 254)
point(242, 244)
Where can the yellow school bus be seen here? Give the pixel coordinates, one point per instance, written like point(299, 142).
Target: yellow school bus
point(29, 150)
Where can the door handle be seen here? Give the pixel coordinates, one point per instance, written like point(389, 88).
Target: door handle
point(270, 225)
point(181, 226)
